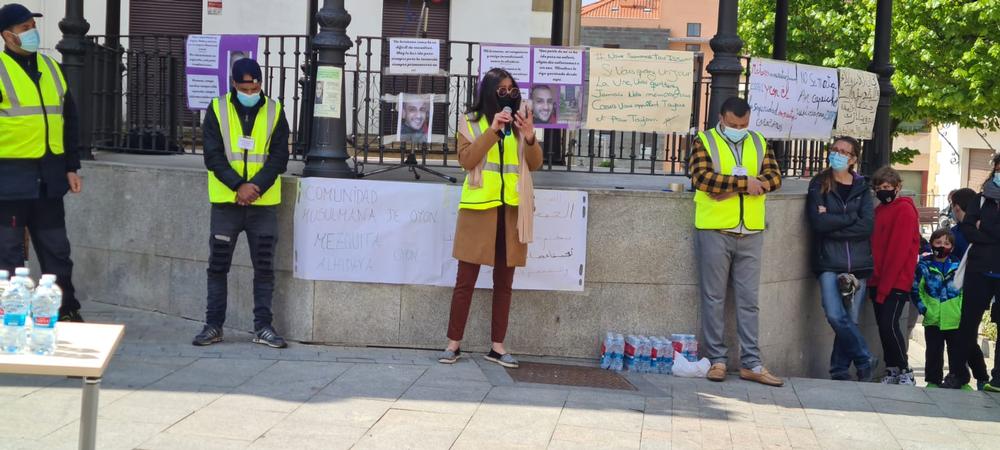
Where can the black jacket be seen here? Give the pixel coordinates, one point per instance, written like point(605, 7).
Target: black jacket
point(26, 179)
point(984, 255)
point(841, 235)
point(215, 151)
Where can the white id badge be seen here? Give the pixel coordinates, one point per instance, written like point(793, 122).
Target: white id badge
point(246, 143)
point(740, 171)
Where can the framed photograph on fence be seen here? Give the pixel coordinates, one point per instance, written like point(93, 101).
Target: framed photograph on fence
point(414, 122)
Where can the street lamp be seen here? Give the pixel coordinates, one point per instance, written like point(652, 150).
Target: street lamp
point(725, 66)
point(73, 47)
point(880, 146)
point(327, 152)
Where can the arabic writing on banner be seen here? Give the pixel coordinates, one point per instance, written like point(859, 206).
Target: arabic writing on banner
point(640, 90)
point(859, 93)
point(402, 233)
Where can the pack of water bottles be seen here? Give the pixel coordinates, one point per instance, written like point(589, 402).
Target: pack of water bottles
point(28, 314)
point(642, 354)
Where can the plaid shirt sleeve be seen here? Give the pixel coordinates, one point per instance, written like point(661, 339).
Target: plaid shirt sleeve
point(704, 178)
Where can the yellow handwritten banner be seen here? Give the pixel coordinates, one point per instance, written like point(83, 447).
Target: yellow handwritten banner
point(640, 90)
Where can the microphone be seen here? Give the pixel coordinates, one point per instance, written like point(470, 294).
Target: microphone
point(506, 126)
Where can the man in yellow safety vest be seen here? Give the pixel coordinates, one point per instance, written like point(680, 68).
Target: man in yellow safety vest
point(39, 135)
point(731, 170)
point(246, 151)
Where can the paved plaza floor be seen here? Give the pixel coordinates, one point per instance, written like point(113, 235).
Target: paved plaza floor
point(162, 393)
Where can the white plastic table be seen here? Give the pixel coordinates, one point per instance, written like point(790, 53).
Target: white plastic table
point(82, 350)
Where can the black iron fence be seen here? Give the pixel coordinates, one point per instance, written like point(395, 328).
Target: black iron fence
point(137, 98)
point(138, 103)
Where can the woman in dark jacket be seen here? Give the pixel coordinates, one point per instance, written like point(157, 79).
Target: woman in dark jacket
point(981, 227)
point(841, 215)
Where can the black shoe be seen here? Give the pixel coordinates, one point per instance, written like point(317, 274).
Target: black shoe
point(950, 382)
point(269, 337)
point(208, 336)
point(72, 316)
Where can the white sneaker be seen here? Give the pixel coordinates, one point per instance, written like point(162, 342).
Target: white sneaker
point(906, 377)
point(891, 376)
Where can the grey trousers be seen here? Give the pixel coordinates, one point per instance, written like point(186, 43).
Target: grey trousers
point(723, 258)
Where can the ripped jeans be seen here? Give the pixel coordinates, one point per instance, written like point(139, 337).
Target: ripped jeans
point(260, 223)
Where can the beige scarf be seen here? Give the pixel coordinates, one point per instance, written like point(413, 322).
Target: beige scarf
point(525, 185)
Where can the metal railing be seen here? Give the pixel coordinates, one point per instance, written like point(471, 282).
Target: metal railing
point(138, 104)
point(137, 98)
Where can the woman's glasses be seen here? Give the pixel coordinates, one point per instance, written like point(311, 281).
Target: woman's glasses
point(509, 92)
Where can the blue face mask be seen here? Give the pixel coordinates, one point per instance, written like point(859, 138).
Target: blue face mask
point(248, 100)
point(839, 162)
point(996, 179)
point(735, 134)
point(29, 40)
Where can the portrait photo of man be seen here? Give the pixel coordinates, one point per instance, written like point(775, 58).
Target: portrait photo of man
point(415, 112)
point(543, 104)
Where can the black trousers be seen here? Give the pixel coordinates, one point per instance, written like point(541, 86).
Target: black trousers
point(936, 341)
point(260, 223)
point(979, 290)
point(887, 316)
point(45, 220)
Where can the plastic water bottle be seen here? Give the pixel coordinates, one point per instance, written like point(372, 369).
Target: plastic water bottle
point(646, 354)
point(692, 348)
point(619, 353)
point(25, 273)
point(4, 284)
point(16, 301)
point(654, 354)
point(607, 350)
point(666, 356)
point(631, 348)
point(44, 314)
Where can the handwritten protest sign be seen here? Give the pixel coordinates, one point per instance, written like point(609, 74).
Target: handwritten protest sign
point(816, 108)
point(640, 90)
point(859, 93)
point(774, 93)
point(402, 233)
point(414, 56)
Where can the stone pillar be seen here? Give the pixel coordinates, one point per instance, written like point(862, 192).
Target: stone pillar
point(326, 155)
point(879, 148)
point(73, 48)
point(725, 66)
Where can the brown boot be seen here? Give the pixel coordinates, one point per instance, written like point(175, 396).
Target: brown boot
point(764, 377)
point(717, 372)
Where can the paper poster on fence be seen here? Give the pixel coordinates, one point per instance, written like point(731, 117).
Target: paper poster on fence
point(640, 90)
point(402, 233)
point(859, 93)
point(816, 108)
point(329, 87)
point(409, 56)
point(515, 59)
point(773, 98)
point(212, 56)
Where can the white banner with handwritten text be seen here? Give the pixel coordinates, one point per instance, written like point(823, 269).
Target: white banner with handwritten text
point(402, 233)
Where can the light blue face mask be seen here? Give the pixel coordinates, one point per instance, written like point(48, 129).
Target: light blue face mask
point(996, 179)
point(30, 40)
point(839, 162)
point(735, 134)
point(247, 99)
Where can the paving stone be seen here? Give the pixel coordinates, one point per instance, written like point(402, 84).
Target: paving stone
point(415, 429)
point(227, 423)
point(178, 441)
point(575, 437)
point(460, 400)
point(509, 426)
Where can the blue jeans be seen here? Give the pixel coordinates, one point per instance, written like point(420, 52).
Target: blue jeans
point(849, 344)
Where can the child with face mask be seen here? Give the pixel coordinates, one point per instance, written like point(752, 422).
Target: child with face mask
point(895, 246)
point(940, 302)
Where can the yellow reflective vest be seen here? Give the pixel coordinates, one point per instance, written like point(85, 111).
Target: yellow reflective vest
point(245, 161)
point(500, 173)
point(711, 214)
point(31, 116)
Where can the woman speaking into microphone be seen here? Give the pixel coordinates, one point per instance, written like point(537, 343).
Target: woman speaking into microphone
point(498, 150)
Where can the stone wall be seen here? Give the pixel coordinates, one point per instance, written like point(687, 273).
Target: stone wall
point(140, 239)
point(643, 38)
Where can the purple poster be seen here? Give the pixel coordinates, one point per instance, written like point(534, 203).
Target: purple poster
point(209, 62)
point(550, 79)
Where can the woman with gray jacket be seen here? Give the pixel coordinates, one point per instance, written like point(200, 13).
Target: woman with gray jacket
point(842, 216)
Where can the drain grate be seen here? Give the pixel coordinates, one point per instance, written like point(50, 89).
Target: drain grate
point(569, 376)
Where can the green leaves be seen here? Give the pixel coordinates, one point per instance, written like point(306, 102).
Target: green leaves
point(946, 52)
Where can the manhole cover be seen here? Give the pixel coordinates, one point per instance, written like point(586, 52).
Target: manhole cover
point(569, 376)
